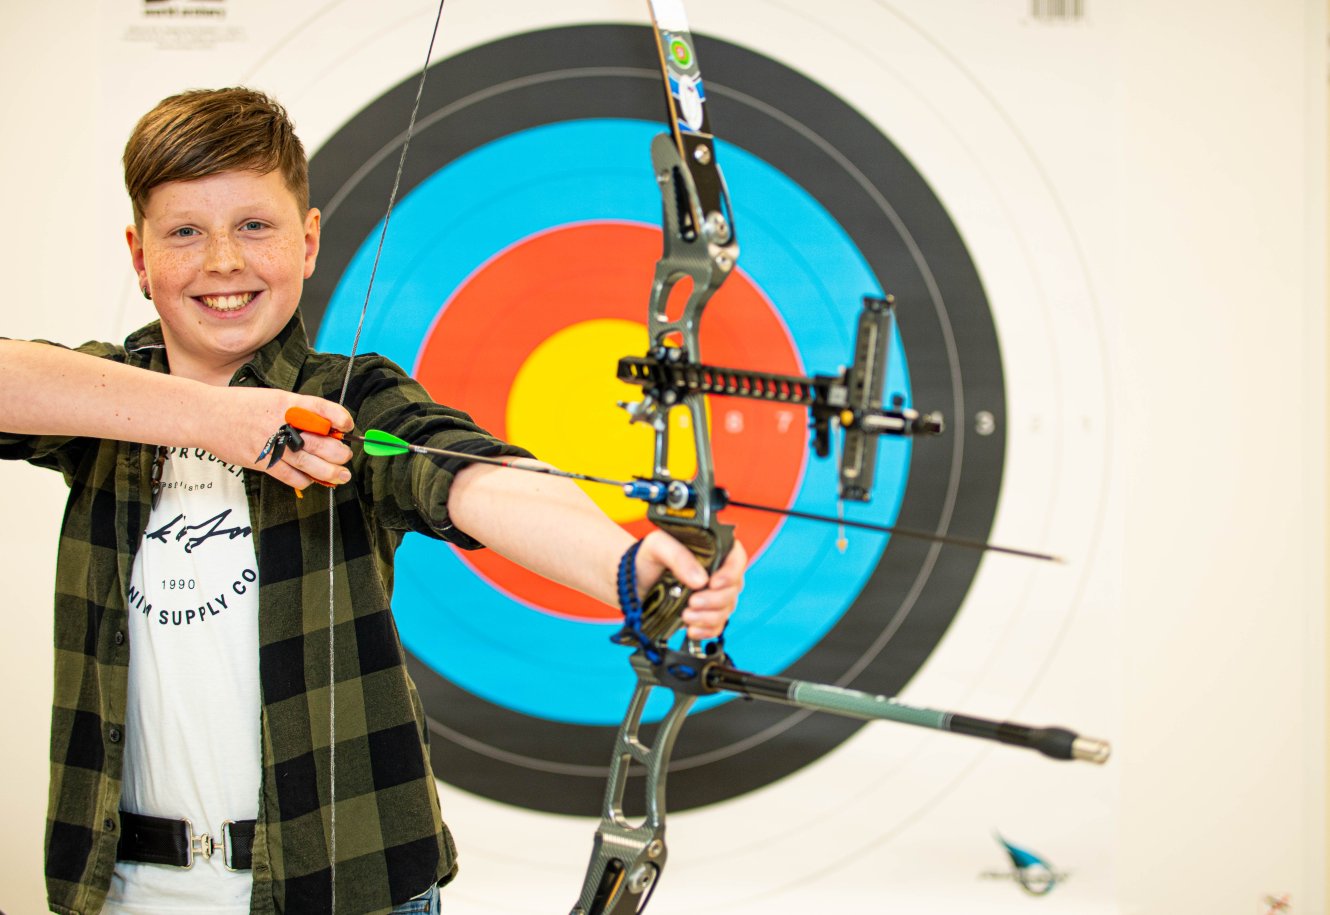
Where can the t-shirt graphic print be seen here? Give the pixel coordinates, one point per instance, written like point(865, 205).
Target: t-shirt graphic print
point(192, 726)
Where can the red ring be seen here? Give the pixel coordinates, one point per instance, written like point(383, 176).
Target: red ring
point(496, 319)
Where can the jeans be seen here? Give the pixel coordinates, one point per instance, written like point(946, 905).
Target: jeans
point(425, 904)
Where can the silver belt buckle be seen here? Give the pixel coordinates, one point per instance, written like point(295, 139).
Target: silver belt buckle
point(205, 845)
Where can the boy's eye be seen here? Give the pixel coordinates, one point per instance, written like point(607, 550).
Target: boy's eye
point(186, 232)
point(254, 225)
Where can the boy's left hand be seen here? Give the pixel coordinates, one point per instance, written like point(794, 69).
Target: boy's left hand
point(712, 601)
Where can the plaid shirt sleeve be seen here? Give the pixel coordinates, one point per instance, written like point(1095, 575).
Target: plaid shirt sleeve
point(410, 493)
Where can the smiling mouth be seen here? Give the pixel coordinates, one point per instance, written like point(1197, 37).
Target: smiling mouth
point(233, 302)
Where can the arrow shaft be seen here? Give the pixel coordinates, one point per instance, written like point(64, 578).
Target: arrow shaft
point(630, 487)
point(653, 491)
point(510, 463)
point(899, 531)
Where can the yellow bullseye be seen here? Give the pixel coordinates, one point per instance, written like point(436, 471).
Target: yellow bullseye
point(562, 408)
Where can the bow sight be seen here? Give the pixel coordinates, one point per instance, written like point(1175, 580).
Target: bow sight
point(852, 399)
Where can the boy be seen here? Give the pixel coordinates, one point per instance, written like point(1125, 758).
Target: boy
point(180, 543)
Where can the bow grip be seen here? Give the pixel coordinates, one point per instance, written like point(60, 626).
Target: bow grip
point(663, 606)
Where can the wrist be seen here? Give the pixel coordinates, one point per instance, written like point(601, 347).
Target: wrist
point(203, 410)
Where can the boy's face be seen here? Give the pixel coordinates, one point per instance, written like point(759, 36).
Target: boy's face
point(225, 258)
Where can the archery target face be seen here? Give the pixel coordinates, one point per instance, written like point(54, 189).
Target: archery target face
point(516, 273)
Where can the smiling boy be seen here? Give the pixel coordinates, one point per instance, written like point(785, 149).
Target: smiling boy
point(228, 254)
point(179, 544)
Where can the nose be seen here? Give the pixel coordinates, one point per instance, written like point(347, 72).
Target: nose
point(223, 254)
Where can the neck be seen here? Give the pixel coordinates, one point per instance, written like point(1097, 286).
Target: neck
point(218, 375)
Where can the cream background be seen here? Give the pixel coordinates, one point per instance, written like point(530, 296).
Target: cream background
point(1194, 181)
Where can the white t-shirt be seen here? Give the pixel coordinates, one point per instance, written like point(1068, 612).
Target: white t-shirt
point(192, 724)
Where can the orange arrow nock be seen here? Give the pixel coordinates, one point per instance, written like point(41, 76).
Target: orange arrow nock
point(309, 421)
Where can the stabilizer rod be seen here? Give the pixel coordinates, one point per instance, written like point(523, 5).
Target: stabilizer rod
point(1055, 742)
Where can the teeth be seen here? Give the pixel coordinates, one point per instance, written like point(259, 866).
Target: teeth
point(228, 302)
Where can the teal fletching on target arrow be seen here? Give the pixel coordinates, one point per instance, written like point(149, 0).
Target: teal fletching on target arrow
point(383, 444)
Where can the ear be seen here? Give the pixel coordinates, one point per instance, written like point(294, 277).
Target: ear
point(311, 240)
point(136, 251)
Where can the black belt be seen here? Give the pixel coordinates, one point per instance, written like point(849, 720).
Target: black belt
point(156, 840)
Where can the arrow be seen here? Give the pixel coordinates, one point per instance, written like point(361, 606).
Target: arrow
point(384, 444)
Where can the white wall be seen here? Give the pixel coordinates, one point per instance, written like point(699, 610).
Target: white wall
point(1223, 342)
point(1195, 198)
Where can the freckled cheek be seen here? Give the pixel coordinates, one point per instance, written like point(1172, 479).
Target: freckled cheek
point(169, 271)
point(286, 265)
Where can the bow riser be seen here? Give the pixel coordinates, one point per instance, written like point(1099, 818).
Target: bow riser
point(690, 514)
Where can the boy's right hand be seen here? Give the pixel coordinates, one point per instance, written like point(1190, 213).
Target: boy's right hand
point(244, 419)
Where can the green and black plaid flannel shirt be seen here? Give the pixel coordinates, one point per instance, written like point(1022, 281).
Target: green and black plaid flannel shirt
point(391, 839)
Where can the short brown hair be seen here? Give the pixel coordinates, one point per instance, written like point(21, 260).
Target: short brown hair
point(208, 131)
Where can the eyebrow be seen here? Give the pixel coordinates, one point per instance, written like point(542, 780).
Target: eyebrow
point(198, 214)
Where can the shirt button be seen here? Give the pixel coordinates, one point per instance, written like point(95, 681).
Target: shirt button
point(109, 824)
point(114, 735)
point(119, 637)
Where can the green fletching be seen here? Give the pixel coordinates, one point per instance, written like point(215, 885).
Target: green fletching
point(382, 444)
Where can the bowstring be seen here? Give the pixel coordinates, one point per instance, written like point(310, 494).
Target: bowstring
point(332, 502)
